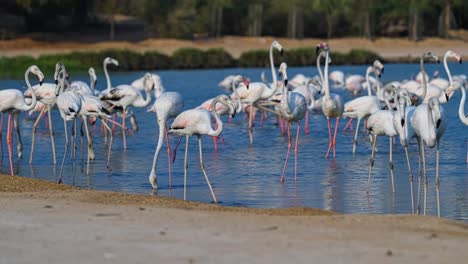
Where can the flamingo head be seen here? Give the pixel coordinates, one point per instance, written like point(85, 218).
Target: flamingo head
point(282, 72)
point(378, 68)
point(109, 60)
point(321, 46)
point(277, 46)
point(454, 55)
point(451, 89)
point(225, 100)
point(148, 81)
point(245, 82)
point(58, 66)
point(92, 74)
point(430, 55)
point(35, 70)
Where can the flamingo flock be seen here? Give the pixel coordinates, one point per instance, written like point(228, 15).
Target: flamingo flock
point(401, 109)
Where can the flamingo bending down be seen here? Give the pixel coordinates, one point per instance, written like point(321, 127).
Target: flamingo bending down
point(158, 86)
point(332, 104)
point(12, 101)
point(364, 106)
point(168, 105)
point(198, 122)
point(125, 96)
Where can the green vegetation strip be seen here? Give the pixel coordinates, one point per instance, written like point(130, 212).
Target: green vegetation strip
point(185, 58)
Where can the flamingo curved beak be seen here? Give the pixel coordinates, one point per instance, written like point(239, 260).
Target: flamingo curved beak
point(246, 82)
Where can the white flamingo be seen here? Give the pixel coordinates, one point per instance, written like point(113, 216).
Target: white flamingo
point(364, 106)
point(293, 108)
point(332, 104)
point(198, 122)
point(461, 109)
point(46, 98)
point(443, 83)
point(167, 105)
point(69, 105)
point(158, 86)
point(259, 91)
point(429, 124)
point(125, 96)
point(12, 101)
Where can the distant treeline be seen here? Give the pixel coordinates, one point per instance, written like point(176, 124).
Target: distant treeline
point(186, 58)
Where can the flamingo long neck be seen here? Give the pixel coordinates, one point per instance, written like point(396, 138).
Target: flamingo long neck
point(461, 108)
point(109, 85)
point(239, 102)
point(272, 66)
point(319, 69)
point(325, 76)
point(447, 69)
point(162, 127)
point(270, 92)
point(368, 72)
point(30, 106)
point(91, 83)
point(140, 102)
point(423, 71)
point(219, 123)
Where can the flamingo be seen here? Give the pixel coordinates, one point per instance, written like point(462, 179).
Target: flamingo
point(158, 86)
point(354, 83)
point(198, 122)
point(380, 123)
point(364, 106)
point(429, 124)
point(69, 105)
point(125, 96)
point(402, 124)
point(461, 109)
point(46, 98)
point(293, 108)
point(259, 91)
point(167, 105)
point(332, 104)
point(443, 83)
point(338, 78)
point(12, 101)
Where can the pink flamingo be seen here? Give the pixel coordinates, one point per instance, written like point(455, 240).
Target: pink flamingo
point(198, 122)
point(332, 104)
point(12, 101)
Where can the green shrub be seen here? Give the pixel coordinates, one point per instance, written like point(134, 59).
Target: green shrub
point(218, 58)
point(188, 58)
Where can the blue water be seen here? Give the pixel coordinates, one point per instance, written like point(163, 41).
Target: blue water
point(248, 175)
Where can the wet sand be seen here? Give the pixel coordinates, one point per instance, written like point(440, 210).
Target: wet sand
point(389, 48)
point(47, 223)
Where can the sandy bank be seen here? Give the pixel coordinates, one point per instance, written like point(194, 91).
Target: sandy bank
point(389, 48)
point(46, 223)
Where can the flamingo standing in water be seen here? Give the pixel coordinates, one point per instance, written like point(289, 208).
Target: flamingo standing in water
point(12, 101)
point(364, 106)
point(167, 105)
point(461, 109)
point(198, 122)
point(429, 124)
point(125, 96)
point(293, 108)
point(443, 83)
point(47, 98)
point(69, 105)
point(332, 104)
point(259, 91)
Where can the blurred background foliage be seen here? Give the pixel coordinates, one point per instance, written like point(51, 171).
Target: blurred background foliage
point(198, 19)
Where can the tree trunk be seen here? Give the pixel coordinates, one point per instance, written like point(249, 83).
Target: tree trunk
point(329, 27)
point(367, 25)
point(447, 12)
point(219, 21)
point(413, 24)
point(112, 27)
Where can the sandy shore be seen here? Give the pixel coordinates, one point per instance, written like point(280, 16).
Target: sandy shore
point(43, 222)
point(390, 48)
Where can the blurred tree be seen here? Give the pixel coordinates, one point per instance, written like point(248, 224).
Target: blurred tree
point(332, 9)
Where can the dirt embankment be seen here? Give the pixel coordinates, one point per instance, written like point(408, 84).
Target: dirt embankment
point(48, 223)
point(389, 48)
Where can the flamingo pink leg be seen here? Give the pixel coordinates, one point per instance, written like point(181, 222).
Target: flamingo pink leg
point(329, 138)
point(306, 128)
point(349, 124)
point(262, 117)
point(334, 137)
point(287, 153)
point(175, 149)
point(364, 128)
point(124, 133)
point(1, 136)
point(10, 142)
point(296, 150)
point(169, 168)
